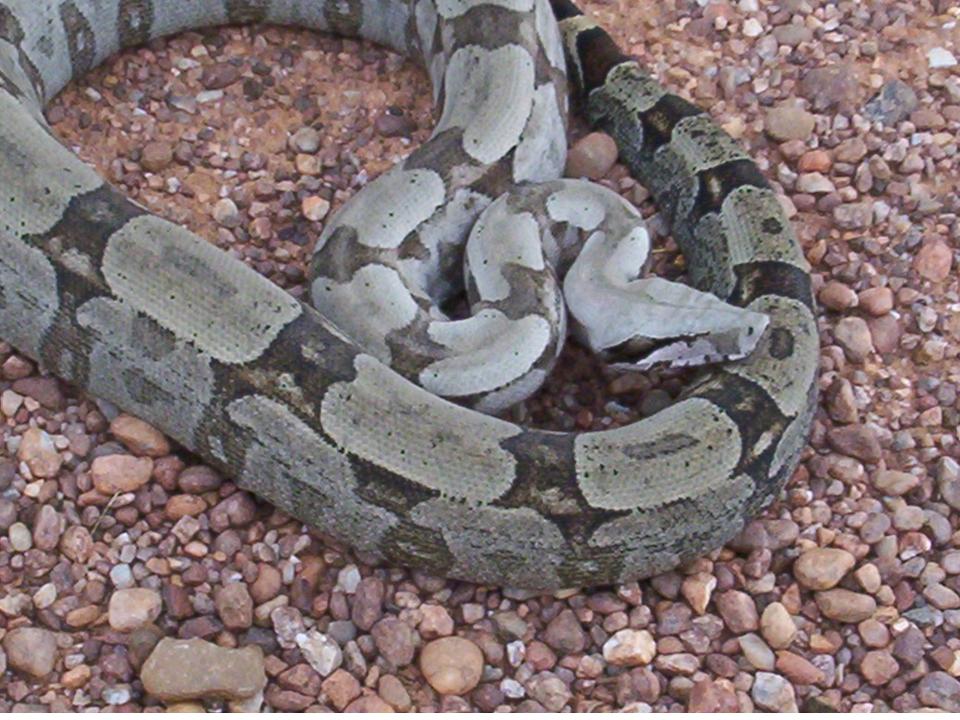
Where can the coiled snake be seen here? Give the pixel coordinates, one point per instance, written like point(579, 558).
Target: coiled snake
point(138, 311)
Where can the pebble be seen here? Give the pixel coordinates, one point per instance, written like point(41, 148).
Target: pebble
point(895, 101)
point(436, 621)
point(132, 608)
point(20, 537)
point(452, 665)
point(395, 641)
point(122, 576)
point(934, 261)
point(40, 454)
point(31, 650)
point(234, 606)
point(837, 296)
point(267, 585)
point(876, 301)
point(592, 156)
point(797, 669)
point(752, 28)
point(894, 482)
point(788, 122)
point(45, 596)
point(565, 634)
point(818, 161)
point(869, 577)
point(857, 441)
point(773, 692)
point(845, 605)
point(549, 690)
point(938, 690)
point(630, 648)
point(777, 626)
point(305, 140)
point(853, 335)
point(196, 669)
point(77, 543)
point(47, 528)
point(323, 654)
point(120, 473)
point(301, 677)
point(199, 479)
point(10, 402)
point(226, 214)
point(392, 691)
point(76, 677)
point(697, 589)
point(738, 611)
point(853, 216)
point(45, 390)
point(8, 513)
point(709, 696)
point(830, 86)
point(368, 603)
point(315, 208)
point(879, 667)
point(939, 57)
point(156, 156)
point(288, 625)
point(341, 688)
point(219, 76)
point(815, 183)
point(941, 597)
point(368, 704)
point(394, 125)
point(139, 437)
point(822, 568)
point(757, 652)
point(851, 151)
point(841, 403)
point(348, 579)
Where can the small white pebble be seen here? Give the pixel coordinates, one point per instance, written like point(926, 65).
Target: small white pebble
point(752, 28)
point(512, 689)
point(348, 578)
point(939, 57)
point(516, 652)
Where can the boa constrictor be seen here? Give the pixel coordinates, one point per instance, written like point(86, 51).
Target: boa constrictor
point(139, 311)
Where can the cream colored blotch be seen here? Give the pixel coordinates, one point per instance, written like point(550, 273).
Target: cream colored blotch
point(493, 99)
point(374, 303)
point(404, 199)
point(681, 452)
point(233, 313)
point(392, 423)
point(329, 486)
point(487, 351)
point(450, 9)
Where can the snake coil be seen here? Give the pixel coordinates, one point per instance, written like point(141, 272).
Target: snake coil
point(137, 310)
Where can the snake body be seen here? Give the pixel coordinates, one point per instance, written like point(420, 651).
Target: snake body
point(139, 311)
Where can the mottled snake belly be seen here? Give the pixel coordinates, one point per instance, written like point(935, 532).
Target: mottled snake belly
point(342, 414)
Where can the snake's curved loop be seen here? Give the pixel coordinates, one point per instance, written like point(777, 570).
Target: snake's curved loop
point(138, 311)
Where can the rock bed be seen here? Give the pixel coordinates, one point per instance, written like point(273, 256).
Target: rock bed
point(125, 565)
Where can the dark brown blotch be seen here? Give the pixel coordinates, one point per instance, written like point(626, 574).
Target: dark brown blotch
point(781, 343)
point(134, 21)
point(81, 41)
point(243, 12)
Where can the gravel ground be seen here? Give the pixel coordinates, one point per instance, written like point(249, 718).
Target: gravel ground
point(126, 566)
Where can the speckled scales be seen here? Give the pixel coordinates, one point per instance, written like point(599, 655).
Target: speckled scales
point(284, 403)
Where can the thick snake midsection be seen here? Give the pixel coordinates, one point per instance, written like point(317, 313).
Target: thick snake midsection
point(139, 311)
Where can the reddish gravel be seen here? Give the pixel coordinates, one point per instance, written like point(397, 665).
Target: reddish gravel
point(844, 596)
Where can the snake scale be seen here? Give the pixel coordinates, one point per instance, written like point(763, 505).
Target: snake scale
point(138, 311)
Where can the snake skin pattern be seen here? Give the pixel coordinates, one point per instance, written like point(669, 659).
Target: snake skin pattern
point(139, 311)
